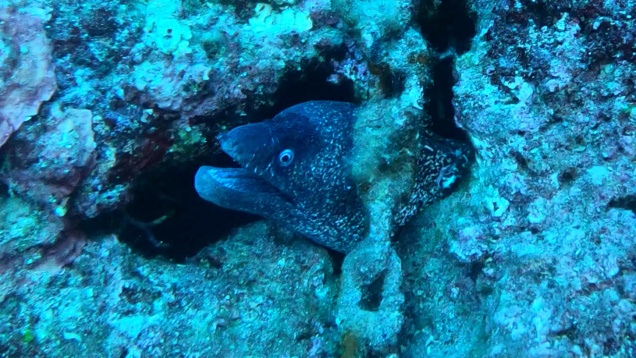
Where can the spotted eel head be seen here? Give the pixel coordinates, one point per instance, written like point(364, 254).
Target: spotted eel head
point(293, 170)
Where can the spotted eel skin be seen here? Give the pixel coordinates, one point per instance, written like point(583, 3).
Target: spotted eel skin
point(296, 170)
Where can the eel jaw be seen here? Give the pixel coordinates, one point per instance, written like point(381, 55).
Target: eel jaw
point(239, 189)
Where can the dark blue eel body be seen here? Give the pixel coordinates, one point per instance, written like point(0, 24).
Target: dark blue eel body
point(296, 170)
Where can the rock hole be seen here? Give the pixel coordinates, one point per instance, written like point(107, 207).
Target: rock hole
point(186, 223)
point(310, 83)
point(447, 26)
point(475, 269)
point(567, 176)
point(627, 203)
point(337, 258)
point(440, 102)
point(4, 190)
point(167, 217)
point(372, 294)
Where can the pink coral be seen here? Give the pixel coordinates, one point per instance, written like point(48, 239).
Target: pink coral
point(26, 69)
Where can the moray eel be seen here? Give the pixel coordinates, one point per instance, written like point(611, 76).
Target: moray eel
point(295, 170)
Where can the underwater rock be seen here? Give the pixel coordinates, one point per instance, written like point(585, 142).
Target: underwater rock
point(155, 74)
point(26, 66)
point(236, 295)
point(24, 230)
point(48, 161)
point(370, 303)
point(376, 20)
point(545, 233)
point(533, 256)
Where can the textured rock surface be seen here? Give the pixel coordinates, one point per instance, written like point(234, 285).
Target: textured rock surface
point(49, 161)
point(540, 249)
point(161, 76)
point(244, 293)
point(26, 66)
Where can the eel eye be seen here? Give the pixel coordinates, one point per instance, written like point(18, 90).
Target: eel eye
point(286, 157)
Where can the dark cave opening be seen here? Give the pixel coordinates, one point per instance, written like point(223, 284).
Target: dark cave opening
point(440, 101)
point(337, 258)
point(372, 294)
point(167, 217)
point(4, 190)
point(626, 203)
point(447, 26)
point(167, 206)
point(309, 84)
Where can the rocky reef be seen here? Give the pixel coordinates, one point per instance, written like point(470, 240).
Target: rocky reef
point(108, 108)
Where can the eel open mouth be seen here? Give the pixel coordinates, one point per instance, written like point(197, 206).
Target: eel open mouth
point(239, 189)
point(214, 183)
point(243, 188)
